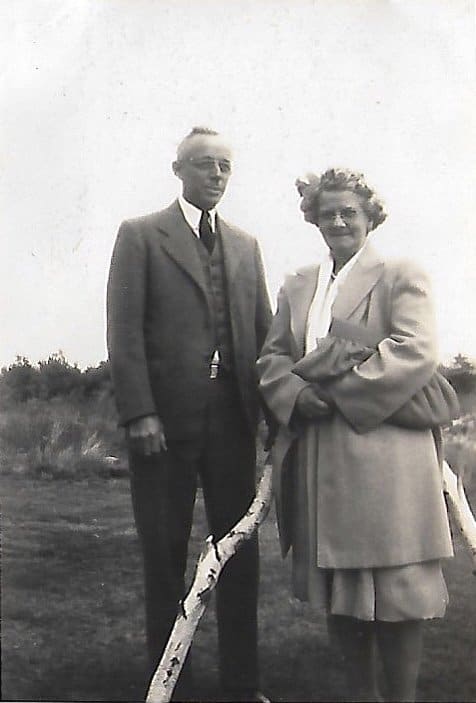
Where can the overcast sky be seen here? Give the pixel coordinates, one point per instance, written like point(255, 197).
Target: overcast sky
point(96, 94)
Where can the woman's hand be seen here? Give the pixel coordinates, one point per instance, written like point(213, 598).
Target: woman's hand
point(310, 405)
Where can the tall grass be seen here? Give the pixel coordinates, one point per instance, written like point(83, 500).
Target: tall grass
point(61, 438)
point(74, 437)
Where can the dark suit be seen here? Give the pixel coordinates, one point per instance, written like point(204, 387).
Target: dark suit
point(160, 338)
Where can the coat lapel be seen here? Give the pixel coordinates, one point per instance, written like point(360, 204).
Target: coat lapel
point(178, 243)
point(301, 290)
point(361, 279)
point(232, 250)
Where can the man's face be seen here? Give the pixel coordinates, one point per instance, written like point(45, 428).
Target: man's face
point(204, 167)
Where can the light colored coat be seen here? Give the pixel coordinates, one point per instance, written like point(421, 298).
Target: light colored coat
point(379, 486)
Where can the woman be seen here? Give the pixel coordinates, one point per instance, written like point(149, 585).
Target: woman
point(359, 498)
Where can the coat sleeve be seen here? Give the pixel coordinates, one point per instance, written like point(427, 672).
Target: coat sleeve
point(403, 362)
point(278, 385)
point(126, 299)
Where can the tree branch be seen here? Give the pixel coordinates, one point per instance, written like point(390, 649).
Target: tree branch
point(209, 566)
point(460, 509)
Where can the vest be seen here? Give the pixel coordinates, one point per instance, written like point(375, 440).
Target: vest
point(215, 278)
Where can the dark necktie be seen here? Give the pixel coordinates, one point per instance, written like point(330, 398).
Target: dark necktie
point(206, 233)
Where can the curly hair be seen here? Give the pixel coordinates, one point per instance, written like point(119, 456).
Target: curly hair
point(339, 179)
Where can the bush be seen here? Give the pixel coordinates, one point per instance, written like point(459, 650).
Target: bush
point(20, 381)
point(461, 374)
point(57, 376)
point(97, 379)
point(52, 378)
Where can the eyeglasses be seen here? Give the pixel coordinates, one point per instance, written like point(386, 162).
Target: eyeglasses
point(347, 214)
point(207, 164)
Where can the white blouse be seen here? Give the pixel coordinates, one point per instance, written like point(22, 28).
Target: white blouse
point(320, 312)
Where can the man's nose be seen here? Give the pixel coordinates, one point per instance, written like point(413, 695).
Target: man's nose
point(215, 169)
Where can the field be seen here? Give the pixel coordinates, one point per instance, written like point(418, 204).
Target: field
point(72, 620)
point(72, 604)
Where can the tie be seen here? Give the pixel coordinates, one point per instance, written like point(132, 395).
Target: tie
point(206, 234)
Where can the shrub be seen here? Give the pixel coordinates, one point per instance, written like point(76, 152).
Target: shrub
point(461, 374)
point(20, 381)
point(57, 376)
point(52, 378)
point(97, 379)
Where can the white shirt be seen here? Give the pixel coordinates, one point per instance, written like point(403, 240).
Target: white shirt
point(320, 313)
point(193, 214)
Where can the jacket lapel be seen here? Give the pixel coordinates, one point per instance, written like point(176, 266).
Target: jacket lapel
point(361, 279)
point(179, 244)
point(301, 290)
point(232, 250)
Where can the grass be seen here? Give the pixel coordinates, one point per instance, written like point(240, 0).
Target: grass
point(72, 607)
point(61, 438)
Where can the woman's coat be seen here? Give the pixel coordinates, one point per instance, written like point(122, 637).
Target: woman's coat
point(379, 487)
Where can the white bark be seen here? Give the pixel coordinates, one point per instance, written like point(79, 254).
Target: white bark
point(460, 509)
point(209, 566)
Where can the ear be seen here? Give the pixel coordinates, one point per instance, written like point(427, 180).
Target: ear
point(176, 168)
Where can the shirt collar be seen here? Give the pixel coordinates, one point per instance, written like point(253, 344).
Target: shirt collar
point(193, 214)
point(345, 270)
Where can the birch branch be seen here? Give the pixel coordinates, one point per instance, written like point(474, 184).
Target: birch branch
point(210, 564)
point(460, 509)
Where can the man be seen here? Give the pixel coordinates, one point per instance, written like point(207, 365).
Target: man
point(188, 312)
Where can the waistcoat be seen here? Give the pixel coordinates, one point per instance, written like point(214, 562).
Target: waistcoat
point(215, 277)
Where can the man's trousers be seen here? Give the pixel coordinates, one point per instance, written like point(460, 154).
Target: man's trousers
point(163, 494)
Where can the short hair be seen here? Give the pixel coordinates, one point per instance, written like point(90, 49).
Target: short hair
point(195, 132)
point(335, 179)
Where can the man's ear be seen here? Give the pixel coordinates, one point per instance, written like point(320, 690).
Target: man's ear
point(176, 168)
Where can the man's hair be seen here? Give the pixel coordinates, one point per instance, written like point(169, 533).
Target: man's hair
point(201, 130)
point(194, 132)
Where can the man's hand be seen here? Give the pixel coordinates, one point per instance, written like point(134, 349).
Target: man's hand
point(146, 435)
point(310, 405)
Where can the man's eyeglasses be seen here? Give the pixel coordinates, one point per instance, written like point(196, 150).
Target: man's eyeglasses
point(207, 164)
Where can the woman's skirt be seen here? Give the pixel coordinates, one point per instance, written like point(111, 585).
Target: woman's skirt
point(407, 592)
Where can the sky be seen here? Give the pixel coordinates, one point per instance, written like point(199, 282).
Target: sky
point(96, 95)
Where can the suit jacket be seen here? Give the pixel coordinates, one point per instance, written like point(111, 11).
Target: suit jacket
point(160, 334)
point(380, 500)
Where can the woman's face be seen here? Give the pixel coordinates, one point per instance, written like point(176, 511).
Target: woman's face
point(343, 223)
